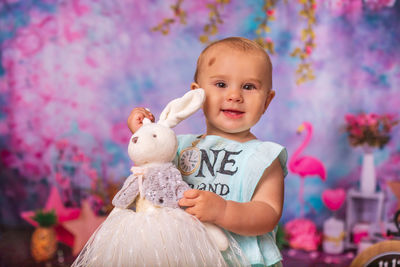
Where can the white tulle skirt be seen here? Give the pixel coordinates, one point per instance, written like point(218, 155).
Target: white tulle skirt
point(156, 237)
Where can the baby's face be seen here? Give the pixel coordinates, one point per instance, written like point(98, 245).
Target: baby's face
point(237, 87)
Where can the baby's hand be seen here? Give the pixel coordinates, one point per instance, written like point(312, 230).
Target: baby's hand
point(205, 205)
point(135, 119)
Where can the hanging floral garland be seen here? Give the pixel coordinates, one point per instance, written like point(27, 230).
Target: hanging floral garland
point(210, 29)
point(304, 71)
point(263, 28)
point(214, 15)
point(179, 15)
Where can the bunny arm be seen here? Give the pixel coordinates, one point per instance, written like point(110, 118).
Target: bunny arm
point(163, 185)
point(128, 193)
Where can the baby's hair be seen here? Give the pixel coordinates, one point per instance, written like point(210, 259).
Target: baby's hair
point(237, 43)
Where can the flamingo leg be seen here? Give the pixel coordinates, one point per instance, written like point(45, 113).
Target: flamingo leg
point(301, 197)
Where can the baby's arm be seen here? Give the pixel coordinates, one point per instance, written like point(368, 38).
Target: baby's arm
point(135, 119)
point(259, 216)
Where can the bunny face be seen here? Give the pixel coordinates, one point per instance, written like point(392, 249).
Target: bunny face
point(152, 143)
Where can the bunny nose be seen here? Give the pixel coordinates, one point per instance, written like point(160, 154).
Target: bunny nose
point(134, 139)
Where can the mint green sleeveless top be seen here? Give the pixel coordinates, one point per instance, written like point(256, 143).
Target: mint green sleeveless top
point(232, 170)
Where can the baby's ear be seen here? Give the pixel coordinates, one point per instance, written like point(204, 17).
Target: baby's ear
point(194, 86)
point(270, 96)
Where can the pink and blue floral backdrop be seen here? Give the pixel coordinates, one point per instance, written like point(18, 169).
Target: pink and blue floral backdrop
point(71, 71)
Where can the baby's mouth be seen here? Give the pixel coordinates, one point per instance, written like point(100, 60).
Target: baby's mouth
point(232, 113)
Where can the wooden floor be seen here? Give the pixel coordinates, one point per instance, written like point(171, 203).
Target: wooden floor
point(297, 258)
point(14, 252)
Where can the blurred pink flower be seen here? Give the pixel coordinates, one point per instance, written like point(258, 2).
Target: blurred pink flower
point(62, 144)
point(92, 173)
point(4, 129)
point(270, 12)
point(378, 4)
point(345, 7)
point(361, 120)
point(29, 41)
point(350, 118)
point(371, 118)
point(64, 182)
point(120, 133)
point(79, 157)
point(302, 234)
point(7, 158)
point(371, 129)
point(308, 50)
point(31, 169)
point(356, 131)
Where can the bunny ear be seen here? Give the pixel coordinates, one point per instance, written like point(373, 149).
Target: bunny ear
point(181, 108)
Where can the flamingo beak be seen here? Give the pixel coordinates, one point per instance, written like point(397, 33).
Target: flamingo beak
point(300, 129)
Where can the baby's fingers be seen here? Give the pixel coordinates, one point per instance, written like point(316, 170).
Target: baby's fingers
point(191, 193)
point(185, 202)
point(140, 113)
point(194, 211)
point(191, 211)
point(135, 119)
point(148, 114)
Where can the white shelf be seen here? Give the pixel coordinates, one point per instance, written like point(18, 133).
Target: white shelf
point(362, 207)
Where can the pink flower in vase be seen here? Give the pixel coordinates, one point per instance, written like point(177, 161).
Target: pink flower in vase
point(356, 132)
point(369, 129)
point(361, 120)
point(350, 119)
point(371, 119)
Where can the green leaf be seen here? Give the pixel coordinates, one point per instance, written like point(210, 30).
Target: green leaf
point(45, 219)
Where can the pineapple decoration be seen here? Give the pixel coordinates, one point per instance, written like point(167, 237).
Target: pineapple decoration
point(44, 242)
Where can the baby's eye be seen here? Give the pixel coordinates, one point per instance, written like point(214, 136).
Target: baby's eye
point(220, 84)
point(249, 86)
point(154, 135)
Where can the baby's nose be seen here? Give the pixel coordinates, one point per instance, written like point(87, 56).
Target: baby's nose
point(234, 95)
point(134, 139)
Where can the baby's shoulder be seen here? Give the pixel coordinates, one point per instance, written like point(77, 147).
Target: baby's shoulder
point(186, 137)
point(185, 140)
point(261, 147)
point(265, 152)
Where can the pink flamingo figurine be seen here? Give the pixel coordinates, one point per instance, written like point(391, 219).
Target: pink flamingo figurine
point(305, 165)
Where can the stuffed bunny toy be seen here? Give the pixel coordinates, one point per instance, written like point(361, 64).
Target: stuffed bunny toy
point(154, 146)
point(158, 232)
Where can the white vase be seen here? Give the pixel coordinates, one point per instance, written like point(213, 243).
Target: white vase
point(368, 175)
